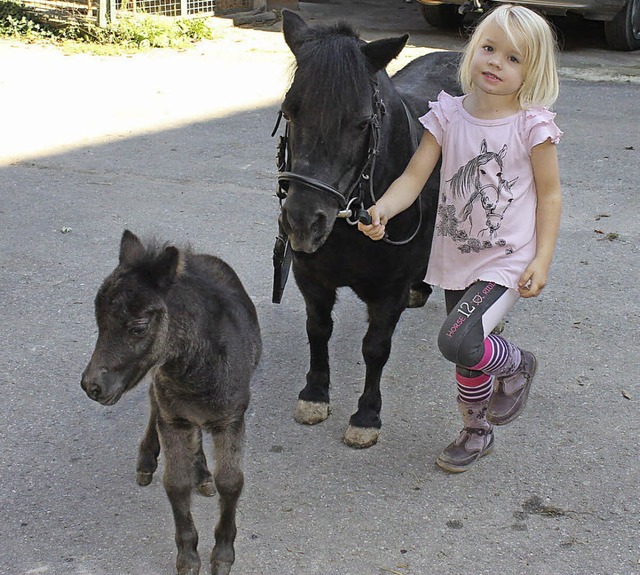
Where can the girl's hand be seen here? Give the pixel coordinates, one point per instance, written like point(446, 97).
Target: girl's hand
point(375, 230)
point(533, 280)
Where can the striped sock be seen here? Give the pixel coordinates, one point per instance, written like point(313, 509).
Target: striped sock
point(501, 358)
point(474, 387)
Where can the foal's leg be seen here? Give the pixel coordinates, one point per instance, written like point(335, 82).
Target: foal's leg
point(204, 481)
point(364, 425)
point(313, 400)
point(229, 482)
point(149, 446)
point(180, 445)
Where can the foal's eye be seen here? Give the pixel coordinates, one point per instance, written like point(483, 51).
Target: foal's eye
point(138, 328)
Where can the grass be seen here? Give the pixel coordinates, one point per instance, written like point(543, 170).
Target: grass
point(128, 35)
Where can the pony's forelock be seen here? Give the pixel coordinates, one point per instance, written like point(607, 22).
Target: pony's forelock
point(330, 69)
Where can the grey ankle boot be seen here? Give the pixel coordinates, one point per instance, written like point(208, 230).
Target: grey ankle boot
point(511, 393)
point(474, 441)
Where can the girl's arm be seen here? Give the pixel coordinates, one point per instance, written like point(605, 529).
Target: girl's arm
point(544, 160)
point(405, 189)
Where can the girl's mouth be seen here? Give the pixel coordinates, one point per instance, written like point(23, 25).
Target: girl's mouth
point(491, 76)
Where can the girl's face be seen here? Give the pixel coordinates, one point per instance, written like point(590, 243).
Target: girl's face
point(497, 66)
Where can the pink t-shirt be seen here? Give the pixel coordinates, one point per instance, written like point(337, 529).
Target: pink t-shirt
point(485, 225)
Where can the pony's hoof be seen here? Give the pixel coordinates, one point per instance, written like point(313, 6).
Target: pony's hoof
point(417, 298)
point(189, 572)
point(499, 328)
point(311, 412)
point(361, 437)
point(143, 478)
point(206, 488)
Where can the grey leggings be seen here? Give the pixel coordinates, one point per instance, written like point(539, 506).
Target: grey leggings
point(471, 316)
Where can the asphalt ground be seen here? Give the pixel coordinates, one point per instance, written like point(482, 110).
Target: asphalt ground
point(177, 145)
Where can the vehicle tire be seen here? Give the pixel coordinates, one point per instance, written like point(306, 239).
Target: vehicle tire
point(623, 32)
point(442, 15)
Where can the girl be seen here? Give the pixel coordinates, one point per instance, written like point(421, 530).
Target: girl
point(498, 213)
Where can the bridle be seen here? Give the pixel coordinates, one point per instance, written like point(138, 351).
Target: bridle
point(351, 204)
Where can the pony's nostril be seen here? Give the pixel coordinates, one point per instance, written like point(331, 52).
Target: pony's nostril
point(284, 220)
point(318, 227)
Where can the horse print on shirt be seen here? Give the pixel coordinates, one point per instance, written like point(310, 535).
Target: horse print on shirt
point(480, 181)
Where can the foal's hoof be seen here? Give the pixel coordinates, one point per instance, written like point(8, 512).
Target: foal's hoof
point(206, 488)
point(311, 412)
point(220, 567)
point(143, 478)
point(361, 437)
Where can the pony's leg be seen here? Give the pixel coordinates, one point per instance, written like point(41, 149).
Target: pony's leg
point(180, 446)
point(364, 425)
point(149, 446)
point(204, 481)
point(229, 482)
point(313, 400)
point(419, 294)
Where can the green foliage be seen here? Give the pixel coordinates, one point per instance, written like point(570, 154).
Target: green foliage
point(128, 34)
point(16, 21)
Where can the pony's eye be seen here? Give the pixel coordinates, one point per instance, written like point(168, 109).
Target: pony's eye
point(483, 172)
point(363, 125)
point(138, 328)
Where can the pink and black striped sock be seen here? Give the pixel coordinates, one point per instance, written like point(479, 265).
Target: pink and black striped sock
point(474, 388)
point(501, 358)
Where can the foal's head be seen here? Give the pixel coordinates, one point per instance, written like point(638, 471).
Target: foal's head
point(132, 318)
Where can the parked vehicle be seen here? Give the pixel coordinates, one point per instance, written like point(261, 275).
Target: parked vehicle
point(621, 17)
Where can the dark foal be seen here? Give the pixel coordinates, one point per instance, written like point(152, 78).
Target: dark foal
point(186, 318)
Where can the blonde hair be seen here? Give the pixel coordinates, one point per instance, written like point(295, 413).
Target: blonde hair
point(533, 36)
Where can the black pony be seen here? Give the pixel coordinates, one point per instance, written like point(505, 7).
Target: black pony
point(350, 131)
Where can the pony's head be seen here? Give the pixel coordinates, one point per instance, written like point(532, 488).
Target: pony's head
point(329, 107)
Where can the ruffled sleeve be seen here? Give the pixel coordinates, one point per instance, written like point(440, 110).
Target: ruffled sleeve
point(539, 126)
point(439, 115)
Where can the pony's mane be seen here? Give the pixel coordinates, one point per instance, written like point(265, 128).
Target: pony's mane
point(331, 76)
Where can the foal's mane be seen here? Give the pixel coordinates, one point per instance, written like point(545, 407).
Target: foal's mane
point(331, 77)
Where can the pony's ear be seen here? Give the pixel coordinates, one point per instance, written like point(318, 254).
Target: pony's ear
point(131, 247)
point(380, 52)
point(295, 29)
point(166, 268)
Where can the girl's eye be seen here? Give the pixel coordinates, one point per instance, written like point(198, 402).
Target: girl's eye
point(139, 328)
point(488, 48)
point(514, 59)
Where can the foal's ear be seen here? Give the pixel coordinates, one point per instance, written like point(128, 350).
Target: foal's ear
point(294, 28)
point(381, 52)
point(166, 267)
point(131, 247)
